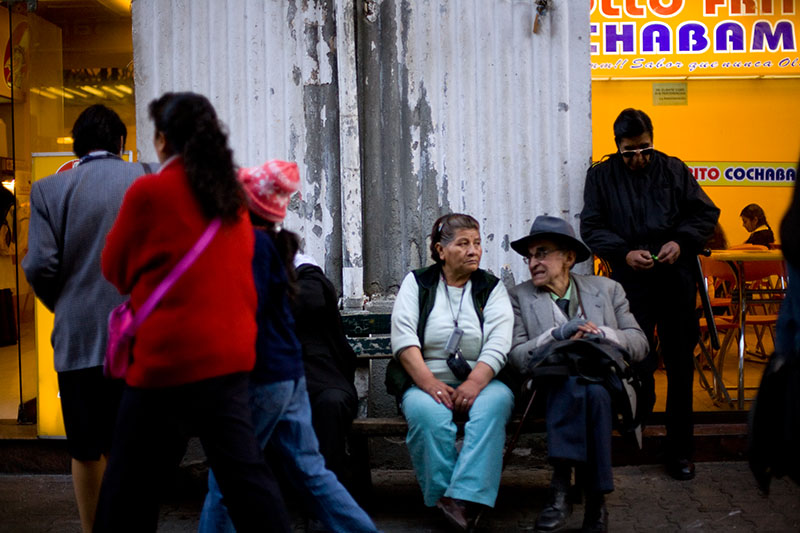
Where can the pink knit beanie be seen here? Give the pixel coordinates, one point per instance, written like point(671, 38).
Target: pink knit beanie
point(269, 187)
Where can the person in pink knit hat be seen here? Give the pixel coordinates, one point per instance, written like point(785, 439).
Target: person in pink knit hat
point(278, 396)
point(269, 188)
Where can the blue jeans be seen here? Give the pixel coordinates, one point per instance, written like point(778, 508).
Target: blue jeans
point(472, 475)
point(282, 418)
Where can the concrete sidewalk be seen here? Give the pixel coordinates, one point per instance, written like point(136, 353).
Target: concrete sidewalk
point(723, 497)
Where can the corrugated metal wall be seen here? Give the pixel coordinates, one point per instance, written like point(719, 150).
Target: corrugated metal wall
point(462, 108)
point(465, 109)
point(269, 68)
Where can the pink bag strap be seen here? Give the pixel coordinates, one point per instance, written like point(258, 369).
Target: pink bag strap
point(176, 272)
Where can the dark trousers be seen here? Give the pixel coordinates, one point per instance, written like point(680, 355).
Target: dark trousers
point(332, 413)
point(149, 438)
point(578, 420)
point(664, 298)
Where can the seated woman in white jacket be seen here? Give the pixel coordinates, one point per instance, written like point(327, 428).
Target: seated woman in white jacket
point(557, 305)
point(451, 332)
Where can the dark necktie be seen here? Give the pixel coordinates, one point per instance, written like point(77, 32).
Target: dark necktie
point(563, 304)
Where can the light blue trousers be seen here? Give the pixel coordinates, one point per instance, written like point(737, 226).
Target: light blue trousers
point(472, 475)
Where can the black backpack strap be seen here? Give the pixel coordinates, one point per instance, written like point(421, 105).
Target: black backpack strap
point(147, 168)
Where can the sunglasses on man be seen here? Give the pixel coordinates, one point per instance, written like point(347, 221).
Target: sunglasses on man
point(646, 152)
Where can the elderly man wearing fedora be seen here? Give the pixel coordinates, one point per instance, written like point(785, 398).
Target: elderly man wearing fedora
point(557, 305)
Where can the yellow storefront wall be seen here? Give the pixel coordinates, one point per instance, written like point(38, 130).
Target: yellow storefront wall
point(729, 120)
point(49, 419)
point(720, 80)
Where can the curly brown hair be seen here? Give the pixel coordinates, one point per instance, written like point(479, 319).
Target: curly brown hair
point(191, 128)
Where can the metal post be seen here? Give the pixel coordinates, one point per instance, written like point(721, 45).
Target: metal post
point(350, 157)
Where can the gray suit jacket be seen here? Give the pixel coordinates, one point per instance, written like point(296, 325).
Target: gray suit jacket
point(604, 302)
point(71, 213)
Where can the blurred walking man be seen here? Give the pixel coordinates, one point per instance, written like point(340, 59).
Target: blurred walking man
point(71, 213)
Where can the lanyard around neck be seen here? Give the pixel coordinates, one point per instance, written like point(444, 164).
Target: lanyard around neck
point(450, 305)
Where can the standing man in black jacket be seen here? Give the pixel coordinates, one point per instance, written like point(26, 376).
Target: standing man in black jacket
point(645, 214)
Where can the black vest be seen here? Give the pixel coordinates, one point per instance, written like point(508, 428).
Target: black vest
point(397, 379)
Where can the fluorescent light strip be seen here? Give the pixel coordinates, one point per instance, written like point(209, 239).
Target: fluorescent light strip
point(115, 92)
point(124, 88)
point(76, 93)
point(91, 90)
point(47, 95)
point(58, 92)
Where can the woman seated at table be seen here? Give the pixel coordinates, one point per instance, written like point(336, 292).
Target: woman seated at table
point(557, 305)
point(451, 332)
point(755, 221)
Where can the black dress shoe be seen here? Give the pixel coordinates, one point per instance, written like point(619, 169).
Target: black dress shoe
point(681, 469)
point(595, 519)
point(554, 516)
point(455, 511)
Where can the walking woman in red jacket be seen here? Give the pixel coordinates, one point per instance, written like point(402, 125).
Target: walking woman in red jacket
point(192, 354)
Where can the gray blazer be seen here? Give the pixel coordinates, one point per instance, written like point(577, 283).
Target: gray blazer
point(604, 302)
point(71, 213)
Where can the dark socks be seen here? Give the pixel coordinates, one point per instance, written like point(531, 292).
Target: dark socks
point(562, 477)
point(595, 500)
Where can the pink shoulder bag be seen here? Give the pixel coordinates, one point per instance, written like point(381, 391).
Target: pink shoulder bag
point(123, 323)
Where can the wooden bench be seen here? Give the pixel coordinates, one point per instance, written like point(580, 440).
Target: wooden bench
point(369, 335)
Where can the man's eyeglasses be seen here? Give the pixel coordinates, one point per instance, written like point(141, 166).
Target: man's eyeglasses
point(539, 254)
point(646, 152)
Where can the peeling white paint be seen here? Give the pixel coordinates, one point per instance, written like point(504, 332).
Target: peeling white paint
point(253, 63)
point(508, 136)
point(317, 68)
point(495, 121)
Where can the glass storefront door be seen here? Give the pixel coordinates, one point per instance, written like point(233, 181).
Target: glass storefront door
point(59, 58)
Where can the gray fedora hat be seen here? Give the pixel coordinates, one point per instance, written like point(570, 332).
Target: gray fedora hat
point(557, 230)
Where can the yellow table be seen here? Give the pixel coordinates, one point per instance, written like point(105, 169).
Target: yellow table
point(737, 259)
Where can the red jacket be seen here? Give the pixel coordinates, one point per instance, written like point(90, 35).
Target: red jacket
point(205, 324)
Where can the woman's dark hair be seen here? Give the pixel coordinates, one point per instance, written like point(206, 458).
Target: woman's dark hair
point(631, 123)
point(445, 229)
point(754, 211)
point(191, 129)
point(287, 243)
point(98, 128)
